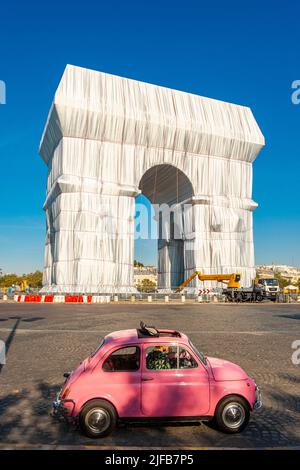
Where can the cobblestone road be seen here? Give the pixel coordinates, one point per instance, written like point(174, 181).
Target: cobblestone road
point(43, 341)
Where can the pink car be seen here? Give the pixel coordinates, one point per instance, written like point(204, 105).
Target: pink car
point(156, 375)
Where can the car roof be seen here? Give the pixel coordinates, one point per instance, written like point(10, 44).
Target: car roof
point(132, 336)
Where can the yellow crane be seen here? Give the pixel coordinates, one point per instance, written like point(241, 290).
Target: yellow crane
point(232, 280)
point(24, 285)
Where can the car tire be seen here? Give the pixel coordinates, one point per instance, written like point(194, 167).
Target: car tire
point(98, 418)
point(259, 297)
point(232, 414)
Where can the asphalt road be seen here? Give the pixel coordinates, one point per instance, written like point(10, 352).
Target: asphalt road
point(43, 341)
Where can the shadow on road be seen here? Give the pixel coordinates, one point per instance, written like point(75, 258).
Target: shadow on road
point(25, 418)
point(295, 316)
point(12, 334)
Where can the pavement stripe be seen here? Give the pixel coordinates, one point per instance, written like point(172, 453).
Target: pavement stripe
point(47, 330)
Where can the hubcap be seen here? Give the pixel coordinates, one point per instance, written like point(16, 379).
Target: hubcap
point(97, 420)
point(233, 415)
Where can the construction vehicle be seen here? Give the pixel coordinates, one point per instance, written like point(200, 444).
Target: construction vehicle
point(233, 292)
point(24, 287)
point(270, 287)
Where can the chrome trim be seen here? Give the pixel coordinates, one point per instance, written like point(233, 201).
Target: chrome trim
point(233, 415)
point(258, 399)
point(61, 411)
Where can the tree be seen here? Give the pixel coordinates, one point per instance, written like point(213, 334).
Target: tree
point(34, 279)
point(282, 281)
point(137, 264)
point(146, 285)
point(9, 279)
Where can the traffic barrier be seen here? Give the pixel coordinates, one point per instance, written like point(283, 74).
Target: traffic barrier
point(133, 298)
point(166, 298)
point(116, 298)
point(48, 298)
point(149, 298)
point(99, 299)
point(183, 298)
point(200, 300)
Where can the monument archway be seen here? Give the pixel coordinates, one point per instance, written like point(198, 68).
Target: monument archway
point(170, 192)
point(103, 135)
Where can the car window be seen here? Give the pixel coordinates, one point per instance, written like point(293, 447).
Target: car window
point(186, 360)
point(123, 360)
point(162, 356)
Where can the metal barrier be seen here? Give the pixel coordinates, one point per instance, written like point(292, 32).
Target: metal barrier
point(148, 297)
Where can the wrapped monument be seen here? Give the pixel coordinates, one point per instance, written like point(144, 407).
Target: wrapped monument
point(108, 139)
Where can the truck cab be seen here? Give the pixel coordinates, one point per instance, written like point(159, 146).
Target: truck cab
point(270, 287)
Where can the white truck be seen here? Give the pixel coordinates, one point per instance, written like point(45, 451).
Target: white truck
point(270, 288)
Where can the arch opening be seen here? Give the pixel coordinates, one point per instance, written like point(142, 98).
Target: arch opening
point(165, 221)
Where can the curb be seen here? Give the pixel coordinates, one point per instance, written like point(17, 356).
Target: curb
point(124, 448)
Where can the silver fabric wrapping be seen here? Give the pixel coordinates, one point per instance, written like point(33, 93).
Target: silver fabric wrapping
point(103, 134)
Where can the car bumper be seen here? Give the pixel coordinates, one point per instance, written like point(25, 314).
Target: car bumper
point(63, 409)
point(258, 399)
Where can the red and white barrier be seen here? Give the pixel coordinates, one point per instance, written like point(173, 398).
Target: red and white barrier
point(85, 299)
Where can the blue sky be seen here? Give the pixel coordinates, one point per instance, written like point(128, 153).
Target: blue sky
point(246, 53)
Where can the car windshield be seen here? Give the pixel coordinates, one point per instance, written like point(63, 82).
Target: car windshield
point(271, 282)
point(98, 348)
point(198, 353)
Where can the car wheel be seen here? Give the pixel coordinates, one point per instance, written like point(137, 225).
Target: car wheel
point(259, 297)
point(98, 418)
point(232, 414)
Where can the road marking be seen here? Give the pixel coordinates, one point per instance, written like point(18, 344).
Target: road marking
point(102, 332)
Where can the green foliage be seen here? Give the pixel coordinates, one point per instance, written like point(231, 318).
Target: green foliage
point(146, 285)
point(282, 282)
point(137, 264)
point(33, 279)
point(8, 279)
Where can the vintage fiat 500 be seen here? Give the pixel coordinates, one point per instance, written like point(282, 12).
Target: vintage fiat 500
point(154, 374)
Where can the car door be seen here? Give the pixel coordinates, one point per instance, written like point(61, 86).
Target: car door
point(121, 379)
point(172, 386)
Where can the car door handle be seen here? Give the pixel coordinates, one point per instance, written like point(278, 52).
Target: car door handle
point(145, 379)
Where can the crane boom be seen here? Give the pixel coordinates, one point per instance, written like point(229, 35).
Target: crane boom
point(232, 280)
